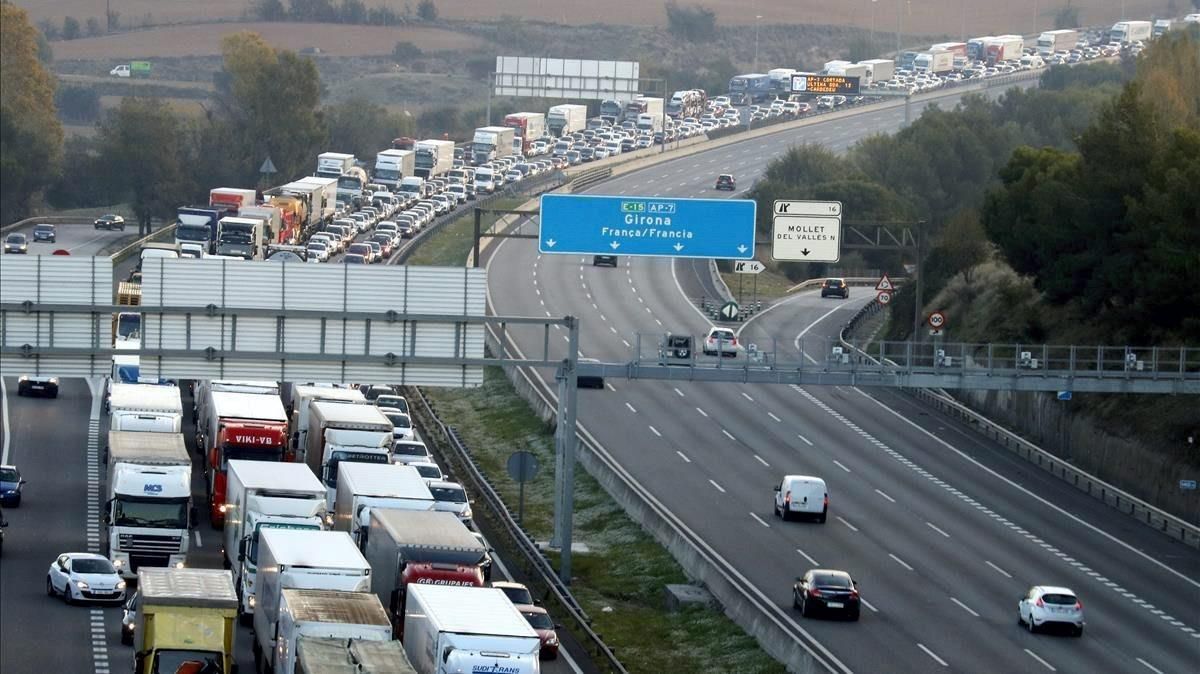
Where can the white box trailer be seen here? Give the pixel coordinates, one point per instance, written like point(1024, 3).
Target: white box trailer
point(339, 432)
point(450, 629)
point(265, 495)
point(145, 407)
point(149, 500)
point(566, 119)
point(326, 207)
point(879, 70)
point(317, 614)
point(362, 487)
point(311, 560)
point(301, 396)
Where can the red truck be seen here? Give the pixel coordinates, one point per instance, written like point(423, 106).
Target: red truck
point(232, 198)
point(529, 126)
point(423, 547)
point(237, 420)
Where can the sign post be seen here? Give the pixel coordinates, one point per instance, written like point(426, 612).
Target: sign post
point(522, 467)
point(807, 231)
point(581, 224)
point(937, 320)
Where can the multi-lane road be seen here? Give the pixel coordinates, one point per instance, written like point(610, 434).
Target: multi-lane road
point(943, 529)
point(80, 239)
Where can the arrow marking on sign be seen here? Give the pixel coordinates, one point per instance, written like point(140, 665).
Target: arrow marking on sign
point(742, 248)
point(615, 245)
point(805, 252)
point(678, 247)
point(550, 243)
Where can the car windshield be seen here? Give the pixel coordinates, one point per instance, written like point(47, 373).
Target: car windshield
point(44, 228)
point(517, 595)
point(831, 580)
point(9, 475)
point(399, 420)
point(834, 283)
point(453, 495)
point(392, 401)
point(151, 512)
point(410, 449)
point(16, 238)
point(91, 565)
point(539, 621)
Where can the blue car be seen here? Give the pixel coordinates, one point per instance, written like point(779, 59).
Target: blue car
point(10, 486)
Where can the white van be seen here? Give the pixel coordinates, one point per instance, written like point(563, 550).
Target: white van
point(801, 495)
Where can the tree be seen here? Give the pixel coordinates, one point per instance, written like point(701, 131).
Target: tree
point(93, 27)
point(353, 11)
point(142, 147)
point(48, 29)
point(70, 29)
point(31, 137)
point(269, 98)
point(1067, 17)
point(427, 10)
point(405, 51)
point(270, 10)
point(78, 104)
point(114, 20)
point(360, 127)
point(691, 23)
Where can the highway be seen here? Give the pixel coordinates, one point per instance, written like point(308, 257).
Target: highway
point(943, 529)
point(81, 239)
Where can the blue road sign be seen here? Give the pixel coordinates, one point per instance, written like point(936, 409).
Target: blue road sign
point(647, 226)
point(1064, 395)
point(1187, 484)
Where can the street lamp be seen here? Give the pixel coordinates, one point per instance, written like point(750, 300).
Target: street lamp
point(757, 18)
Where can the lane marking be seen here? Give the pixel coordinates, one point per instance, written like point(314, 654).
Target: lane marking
point(933, 655)
point(760, 520)
point(728, 435)
point(806, 440)
point(702, 412)
point(774, 417)
point(810, 559)
point(679, 392)
point(719, 487)
point(934, 527)
point(1035, 657)
point(610, 386)
point(850, 526)
point(1149, 666)
point(899, 561)
point(196, 535)
point(631, 408)
point(885, 496)
point(655, 431)
point(868, 605)
point(839, 465)
point(1002, 571)
point(747, 396)
point(683, 456)
point(964, 607)
point(810, 326)
point(760, 460)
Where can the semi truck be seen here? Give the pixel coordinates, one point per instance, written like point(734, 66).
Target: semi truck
point(144, 407)
point(848, 69)
point(339, 431)
point(185, 621)
point(324, 614)
point(754, 87)
point(933, 62)
point(879, 70)
point(492, 142)
point(240, 237)
point(363, 488)
point(434, 157)
point(265, 495)
point(611, 110)
point(527, 127)
point(320, 655)
point(310, 560)
point(1053, 41)
point(196, 227)
point(272, 218)
point(350, 185)
point(408, 548)
point(651, 116)
point(391, 166)
point(149, 500)
point(781, 79)
point(231, 199)
point(294, 212)
point(566, 119)
point(687, 103)
point(237, 425)
point(958, 49)
point(334, 164)
point(325, 196)
point(977, 47)
point(467, 629)
point(305, 201)
point(1004, 48)
point(300, 397)
point(1130, 31)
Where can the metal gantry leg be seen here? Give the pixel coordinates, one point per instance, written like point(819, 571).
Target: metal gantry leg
point(565, 442)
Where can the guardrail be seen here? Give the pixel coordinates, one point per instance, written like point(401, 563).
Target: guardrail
point(132, 249)
point(47, 219)
point(1123, 501)
point(518, 539)
point(851, 280)
point(585, 179)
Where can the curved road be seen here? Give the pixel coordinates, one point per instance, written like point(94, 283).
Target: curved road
point(943, 529)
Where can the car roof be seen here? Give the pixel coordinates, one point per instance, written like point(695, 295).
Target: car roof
point(527, 608)
point(441, 484)
point(803, 478)
point(830, 572)
point(1054, 589)
point(84, 555)
point(505, 583)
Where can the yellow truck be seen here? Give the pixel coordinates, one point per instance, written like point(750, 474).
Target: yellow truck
point(186, 621)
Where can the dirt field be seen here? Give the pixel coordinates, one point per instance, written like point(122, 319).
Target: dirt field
point(205, 39)
point(919, 16)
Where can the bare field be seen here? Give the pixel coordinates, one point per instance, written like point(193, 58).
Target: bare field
point(919, 17)
point(183, 106)
point(205, 39)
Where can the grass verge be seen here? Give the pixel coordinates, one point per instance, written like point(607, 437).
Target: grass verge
point(620, 582)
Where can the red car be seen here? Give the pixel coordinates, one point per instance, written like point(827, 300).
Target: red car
point(541, 623)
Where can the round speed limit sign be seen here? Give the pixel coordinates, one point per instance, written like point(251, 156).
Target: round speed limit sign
point(884, 297)
point(936, 320)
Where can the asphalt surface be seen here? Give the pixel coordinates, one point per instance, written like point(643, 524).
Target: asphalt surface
point(79, 239)
point(943, 529)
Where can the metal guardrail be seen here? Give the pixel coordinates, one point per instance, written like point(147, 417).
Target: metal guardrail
point(132, 249)
point(517, 537)
point(1123, 501)
point(585, 179)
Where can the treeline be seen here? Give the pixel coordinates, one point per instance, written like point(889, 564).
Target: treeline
point(1085, 187)
point(343, 11)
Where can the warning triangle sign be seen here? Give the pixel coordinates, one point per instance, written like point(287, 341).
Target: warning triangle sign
point(885, 283)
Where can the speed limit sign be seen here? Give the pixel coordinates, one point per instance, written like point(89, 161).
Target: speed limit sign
point(936, 320)
point(884, 297)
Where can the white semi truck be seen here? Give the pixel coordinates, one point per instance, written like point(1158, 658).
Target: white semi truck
point(434, 157)
point(492, 142)
point(322, 614)
point(311, 560)
point(334, 164)
point(362, 487)
point(265, 495)
point(566, 119)
point(145, 408)
point(450, 629)
point(339, 431)
point(299, 399)
point(392, 166)
point(149, 504)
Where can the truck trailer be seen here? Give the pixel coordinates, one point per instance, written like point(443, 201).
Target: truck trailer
point(879, 70)
point(320, 655)
point(339, 432)
point(1053, 41)
point(392, 166)
point(562, 120)
point(300, 397)
point(326, 614)
point(434, 157)
point(448, 630)
point(527, 127)
point(334, 164)
point(363, 487)
point(149, 501)
point(235, 425)
point(144, 407)
point(1004, 48)
point(409, 547)
point(937, 62)
point(325, 196)
point(310, 560)
point(492, 142)
point(185, 616)
point(1124, 32)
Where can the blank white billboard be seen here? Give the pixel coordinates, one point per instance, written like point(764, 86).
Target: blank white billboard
point(574, 79)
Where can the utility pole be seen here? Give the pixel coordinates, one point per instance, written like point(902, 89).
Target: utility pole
point(565, 443)
point(757, 19)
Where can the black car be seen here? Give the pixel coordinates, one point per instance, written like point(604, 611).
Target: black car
point(726, 181)
point(596, 381)
point(826, 591)
point(835, 287)
point(110, 222)
point(45, 232)
point(604, 260)
point(37, 386)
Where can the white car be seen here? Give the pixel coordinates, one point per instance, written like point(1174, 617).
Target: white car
point(801, 495)
point(402, 428)
point(405, 452)
point(84, 577)
point(429, 470)
point(450, 497)
point(1048, 605)
point(721, 342)
point(318, 251)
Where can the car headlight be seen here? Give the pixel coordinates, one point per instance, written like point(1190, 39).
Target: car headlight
point(54, 380)
point(81, 585)
point(252, 601)
point(179, 565)
point(120, 585)
point(23, 378)
point(118, 563)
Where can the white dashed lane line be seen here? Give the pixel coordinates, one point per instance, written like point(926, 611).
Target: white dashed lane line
point(631, 408)
point(702, 412)
point(998, 569)
point(684, 457)
point(810, 559)
point(964, 607)
point(774, 417)
point(899, 561)
point(933, 526)
point(885, 496)
point(933, 655)
point(760, 520)
point(1045, 664)
point(655, 431)
point(719, 487)
point(849, 526)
